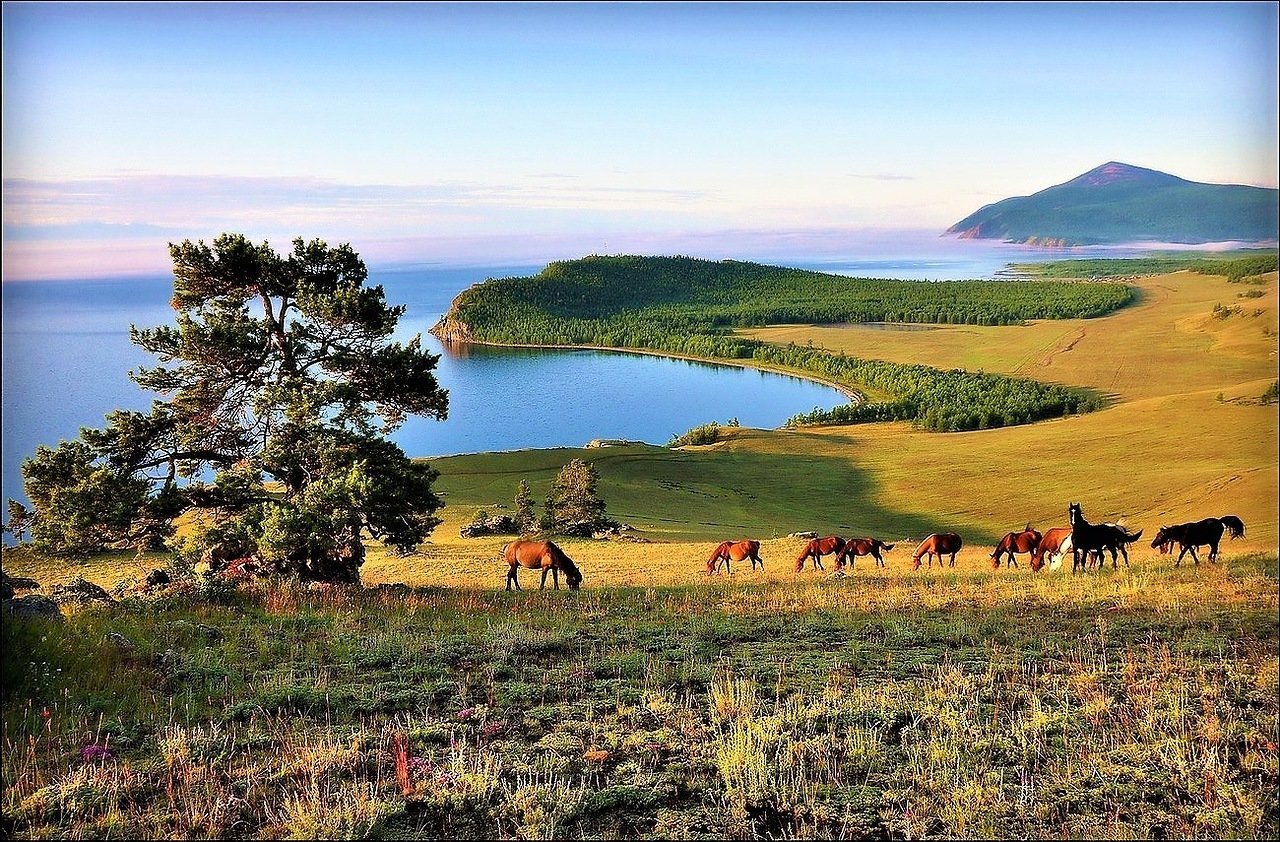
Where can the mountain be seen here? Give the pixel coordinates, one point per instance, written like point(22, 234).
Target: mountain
point(1121, 203)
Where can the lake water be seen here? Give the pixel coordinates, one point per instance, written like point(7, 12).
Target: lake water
point(66, 357)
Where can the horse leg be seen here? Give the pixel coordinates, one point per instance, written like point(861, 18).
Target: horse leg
point(544, 578)
point(1213, 552)
point(953, 560)
point(1178, 563)
point(817, 561)
point(1195, 557)
point(555, 577)
point(511, 578)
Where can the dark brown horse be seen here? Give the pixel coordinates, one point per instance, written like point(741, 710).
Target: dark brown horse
point(1095, 537)
point(1188, 536)
point(817, 548)
point(1025, 541)
point(939, 544)
point(855, 547)
point(533, 555)
point(734, 551)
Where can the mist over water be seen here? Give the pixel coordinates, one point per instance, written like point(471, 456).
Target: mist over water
point(66, 358)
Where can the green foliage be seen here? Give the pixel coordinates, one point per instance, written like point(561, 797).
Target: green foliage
point(574, 505)
point(288, 408)
point(703, 434)
point(690, 307)
point(1234, 269)
point(526, 518)
point(1271, 394)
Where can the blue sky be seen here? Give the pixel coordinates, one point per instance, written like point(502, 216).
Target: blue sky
point(483, 132)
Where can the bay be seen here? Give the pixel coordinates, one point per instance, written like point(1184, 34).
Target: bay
point(66, 358)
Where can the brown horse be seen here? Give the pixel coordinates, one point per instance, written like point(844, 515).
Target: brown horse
point(817, 548)
point(533, 555)
point(734, 551)
point(855, 547)
point(940, 544)
point(1025, 541)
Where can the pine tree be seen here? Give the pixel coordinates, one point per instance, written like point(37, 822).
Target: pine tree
point(574, 506)
point(526, 518)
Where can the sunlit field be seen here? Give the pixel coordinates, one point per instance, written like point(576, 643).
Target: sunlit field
point(1128, 702)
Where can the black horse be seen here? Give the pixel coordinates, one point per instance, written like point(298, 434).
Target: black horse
point(1188, 536)
point(1090, 537)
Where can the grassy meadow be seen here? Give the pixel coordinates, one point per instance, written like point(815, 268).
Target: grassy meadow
point(660, 702)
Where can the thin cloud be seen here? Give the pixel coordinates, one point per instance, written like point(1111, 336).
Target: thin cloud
point(883, 176)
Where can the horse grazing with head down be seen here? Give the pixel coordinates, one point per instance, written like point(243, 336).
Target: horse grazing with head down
point(1025, 541)
point(1095, 537)
point(817, 548)
point(734, 551)
point(855, 547)
point(939, 544)
point(533, 555)
point(1188, 536)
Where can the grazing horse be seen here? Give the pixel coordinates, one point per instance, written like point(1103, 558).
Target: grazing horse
point(940, 544)
point(817, 548)
point(1188, 536)
point(735, 551)
point(1094, 538)
point(1025, 541)
point(1053, 543)
point(533, 555)
point(855, 547)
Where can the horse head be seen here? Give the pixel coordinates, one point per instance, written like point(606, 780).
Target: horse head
point(1162, 541)
point(1074, 514)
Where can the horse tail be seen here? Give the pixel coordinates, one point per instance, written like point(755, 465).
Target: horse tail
point(1127, 537)
point(1234, 525)
point(883, 545)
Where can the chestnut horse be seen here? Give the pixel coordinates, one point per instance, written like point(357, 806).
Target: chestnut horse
point(855, 547)
point(940, 544)
point(735, 551)
point(817, 548)
point(1188, 536)
point(1025, 541)
point(1050, 544)
point(533, 555)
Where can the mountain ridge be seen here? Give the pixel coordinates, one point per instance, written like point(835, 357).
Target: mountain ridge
point(1117, 202)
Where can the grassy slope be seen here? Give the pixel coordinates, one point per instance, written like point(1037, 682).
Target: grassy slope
point(1165, 451)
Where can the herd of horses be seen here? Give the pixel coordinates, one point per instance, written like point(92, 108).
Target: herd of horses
point(1086, 543)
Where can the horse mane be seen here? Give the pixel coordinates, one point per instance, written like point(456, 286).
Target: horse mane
point(719, 551)
point(562, 561)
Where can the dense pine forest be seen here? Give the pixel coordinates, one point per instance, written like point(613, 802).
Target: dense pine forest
point(691, 307)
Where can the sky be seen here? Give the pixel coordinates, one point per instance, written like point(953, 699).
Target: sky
point(489, 133)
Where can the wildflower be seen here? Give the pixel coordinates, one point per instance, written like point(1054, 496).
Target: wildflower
point(492, 729)
point(466, 713)
point(94, 753)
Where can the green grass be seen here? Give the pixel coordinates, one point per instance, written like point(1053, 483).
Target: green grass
point(961, 704)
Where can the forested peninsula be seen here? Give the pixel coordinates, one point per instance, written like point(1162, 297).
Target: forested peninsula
point(691, 307)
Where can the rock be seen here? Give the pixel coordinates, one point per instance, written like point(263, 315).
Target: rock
point(808, 536)
point(158, 577)
point(117, 639)
point(26, 607)
point(210, 632)
point(9, 585)
point(79, 591)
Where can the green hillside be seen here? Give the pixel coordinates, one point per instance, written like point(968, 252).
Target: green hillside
point(1119, 203)
point(689, 307)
